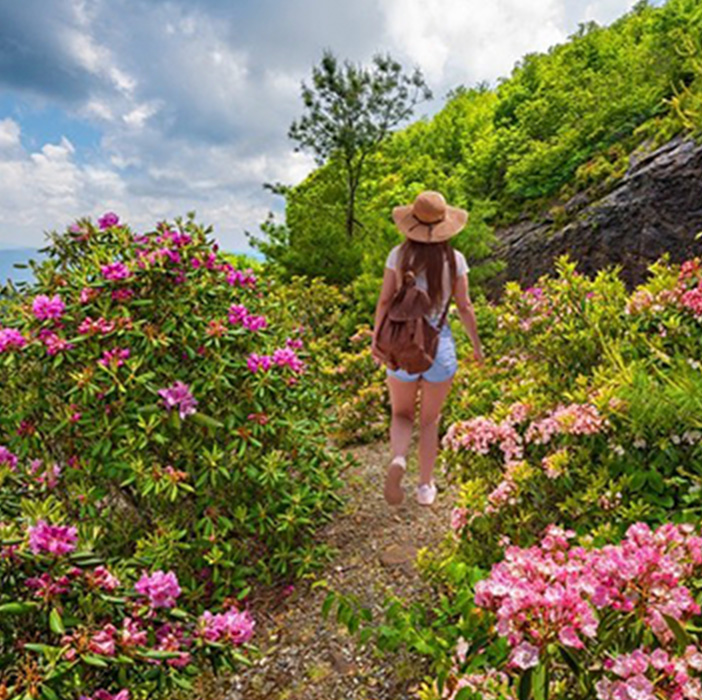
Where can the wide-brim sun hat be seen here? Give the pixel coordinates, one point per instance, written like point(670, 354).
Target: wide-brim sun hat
point(429, 219)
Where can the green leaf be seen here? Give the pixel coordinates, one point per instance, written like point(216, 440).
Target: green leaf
point(48, 693)
point(18, 608)
point(540, 683)
point(207, 421)
point(93, 660)
point(327, 604)
point(682, 637)
point(570, 659)
point(525, 685)
point(56, 623)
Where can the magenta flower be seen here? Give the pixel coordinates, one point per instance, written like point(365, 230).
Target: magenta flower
point(100, 577)
point(115, 271)
point(105, 695)
point(255, 362)
point(53, 342)
point(87, 294)
point(7, 459)
point(178, 394)
point(45, 308)
point(103, 641)
point(132, 634)
point(46, 587)
point(11, 338)
point(525, 656)
point(108, 220)
point(122, 294)
point(52, 539)
point(233, 626)
point(160, 588)
point(114, 357)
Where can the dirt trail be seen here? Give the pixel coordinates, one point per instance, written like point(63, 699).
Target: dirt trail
point(307, 658)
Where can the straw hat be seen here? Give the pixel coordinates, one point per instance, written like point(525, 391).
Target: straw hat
point(429, 219)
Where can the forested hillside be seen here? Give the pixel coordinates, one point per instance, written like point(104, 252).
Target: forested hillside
point(564, 123)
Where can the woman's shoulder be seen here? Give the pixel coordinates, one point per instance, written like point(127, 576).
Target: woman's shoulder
point(391, 260)
point(461, 264)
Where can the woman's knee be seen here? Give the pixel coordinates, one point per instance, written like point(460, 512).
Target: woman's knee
point(429, 420)
point(403, 414)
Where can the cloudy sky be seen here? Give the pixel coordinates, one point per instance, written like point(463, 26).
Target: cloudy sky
point(152, 108)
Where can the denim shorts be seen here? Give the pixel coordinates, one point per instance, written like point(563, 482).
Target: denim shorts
point(443, 367)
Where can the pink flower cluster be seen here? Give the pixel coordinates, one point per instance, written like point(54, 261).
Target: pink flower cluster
point(11, 338)
point(239, 314)
point(105, 695)
point(101, 577)
point(7, 458)
point(179, 395)
point(114, 357)
point(52, 539)
point(115, 271)
point(233, 626)
point(53, 342)
point(99, 325)
point(575, 419)
point(239, 278)
point(47, 587)
point(480, 434)
point(282, 357)
point(160, 588)
point(46, 476)
point(48, 308)
point(87, 294)
point(552, 592)
point(108, 220)
point(644, 675)
point(489, 685)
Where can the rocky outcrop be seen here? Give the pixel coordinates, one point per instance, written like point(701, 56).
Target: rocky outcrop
point(655, 208)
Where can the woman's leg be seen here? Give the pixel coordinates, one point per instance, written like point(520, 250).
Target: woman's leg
point(433, 395)
point(403, 396)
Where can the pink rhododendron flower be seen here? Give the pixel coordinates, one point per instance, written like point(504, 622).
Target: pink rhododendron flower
point(286, 357)
point(114, 357)
point(179, 395)
point(122, 294)
point(160, 588)
point(100, 577)
point(49, 476)
point(46, 587)
point(105, 695)
point(255, 362)
point(11, 338)
point(233, 626)
point(45, 308)
point(115, 271)
point(54, 344)
point(108, 220)
point(100, 325)
point(7, 458)
point(132, 634)
point(52, 539)
point(103, 641)
point(87, 294)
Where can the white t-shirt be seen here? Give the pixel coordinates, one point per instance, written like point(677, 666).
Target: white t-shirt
point(461, 269)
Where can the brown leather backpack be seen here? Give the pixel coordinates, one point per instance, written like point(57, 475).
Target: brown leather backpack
point(405, 339)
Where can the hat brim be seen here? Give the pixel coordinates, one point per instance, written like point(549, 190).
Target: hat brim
point(454, 221)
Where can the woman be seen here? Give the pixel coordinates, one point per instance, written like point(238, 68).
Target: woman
point(427, 224)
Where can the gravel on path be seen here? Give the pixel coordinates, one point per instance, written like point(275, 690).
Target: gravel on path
point(304, 656)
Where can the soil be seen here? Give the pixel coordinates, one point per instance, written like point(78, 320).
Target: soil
point(304, 656)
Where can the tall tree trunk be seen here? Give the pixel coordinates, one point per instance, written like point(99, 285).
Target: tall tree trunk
point(350, 210)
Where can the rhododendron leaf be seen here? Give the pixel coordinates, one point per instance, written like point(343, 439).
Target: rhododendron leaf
point(150, 408)
point(525, 685)
point(681, 636)
point(158, 654)
point(202, 419)
point(18, 608)
point(178, 612)
point(56, 623)
point(93, 660)
point(182, 682)
point(570, 659)
point(48, 693)
point(44, 649)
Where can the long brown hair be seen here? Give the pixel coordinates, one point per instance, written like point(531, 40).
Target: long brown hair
point(428, 258)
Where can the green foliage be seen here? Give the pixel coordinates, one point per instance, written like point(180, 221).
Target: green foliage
point(564, 121)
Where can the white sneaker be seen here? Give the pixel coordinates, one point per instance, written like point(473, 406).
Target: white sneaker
point(426, 493)
point(394, 494)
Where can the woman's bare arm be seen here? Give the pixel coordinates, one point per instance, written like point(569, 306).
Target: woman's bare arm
point(467, 315)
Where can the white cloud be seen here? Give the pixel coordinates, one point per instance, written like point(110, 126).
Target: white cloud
point(466, 41)
point(194, 100)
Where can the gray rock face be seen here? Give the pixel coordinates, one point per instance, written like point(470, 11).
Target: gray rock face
point(655, 208)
